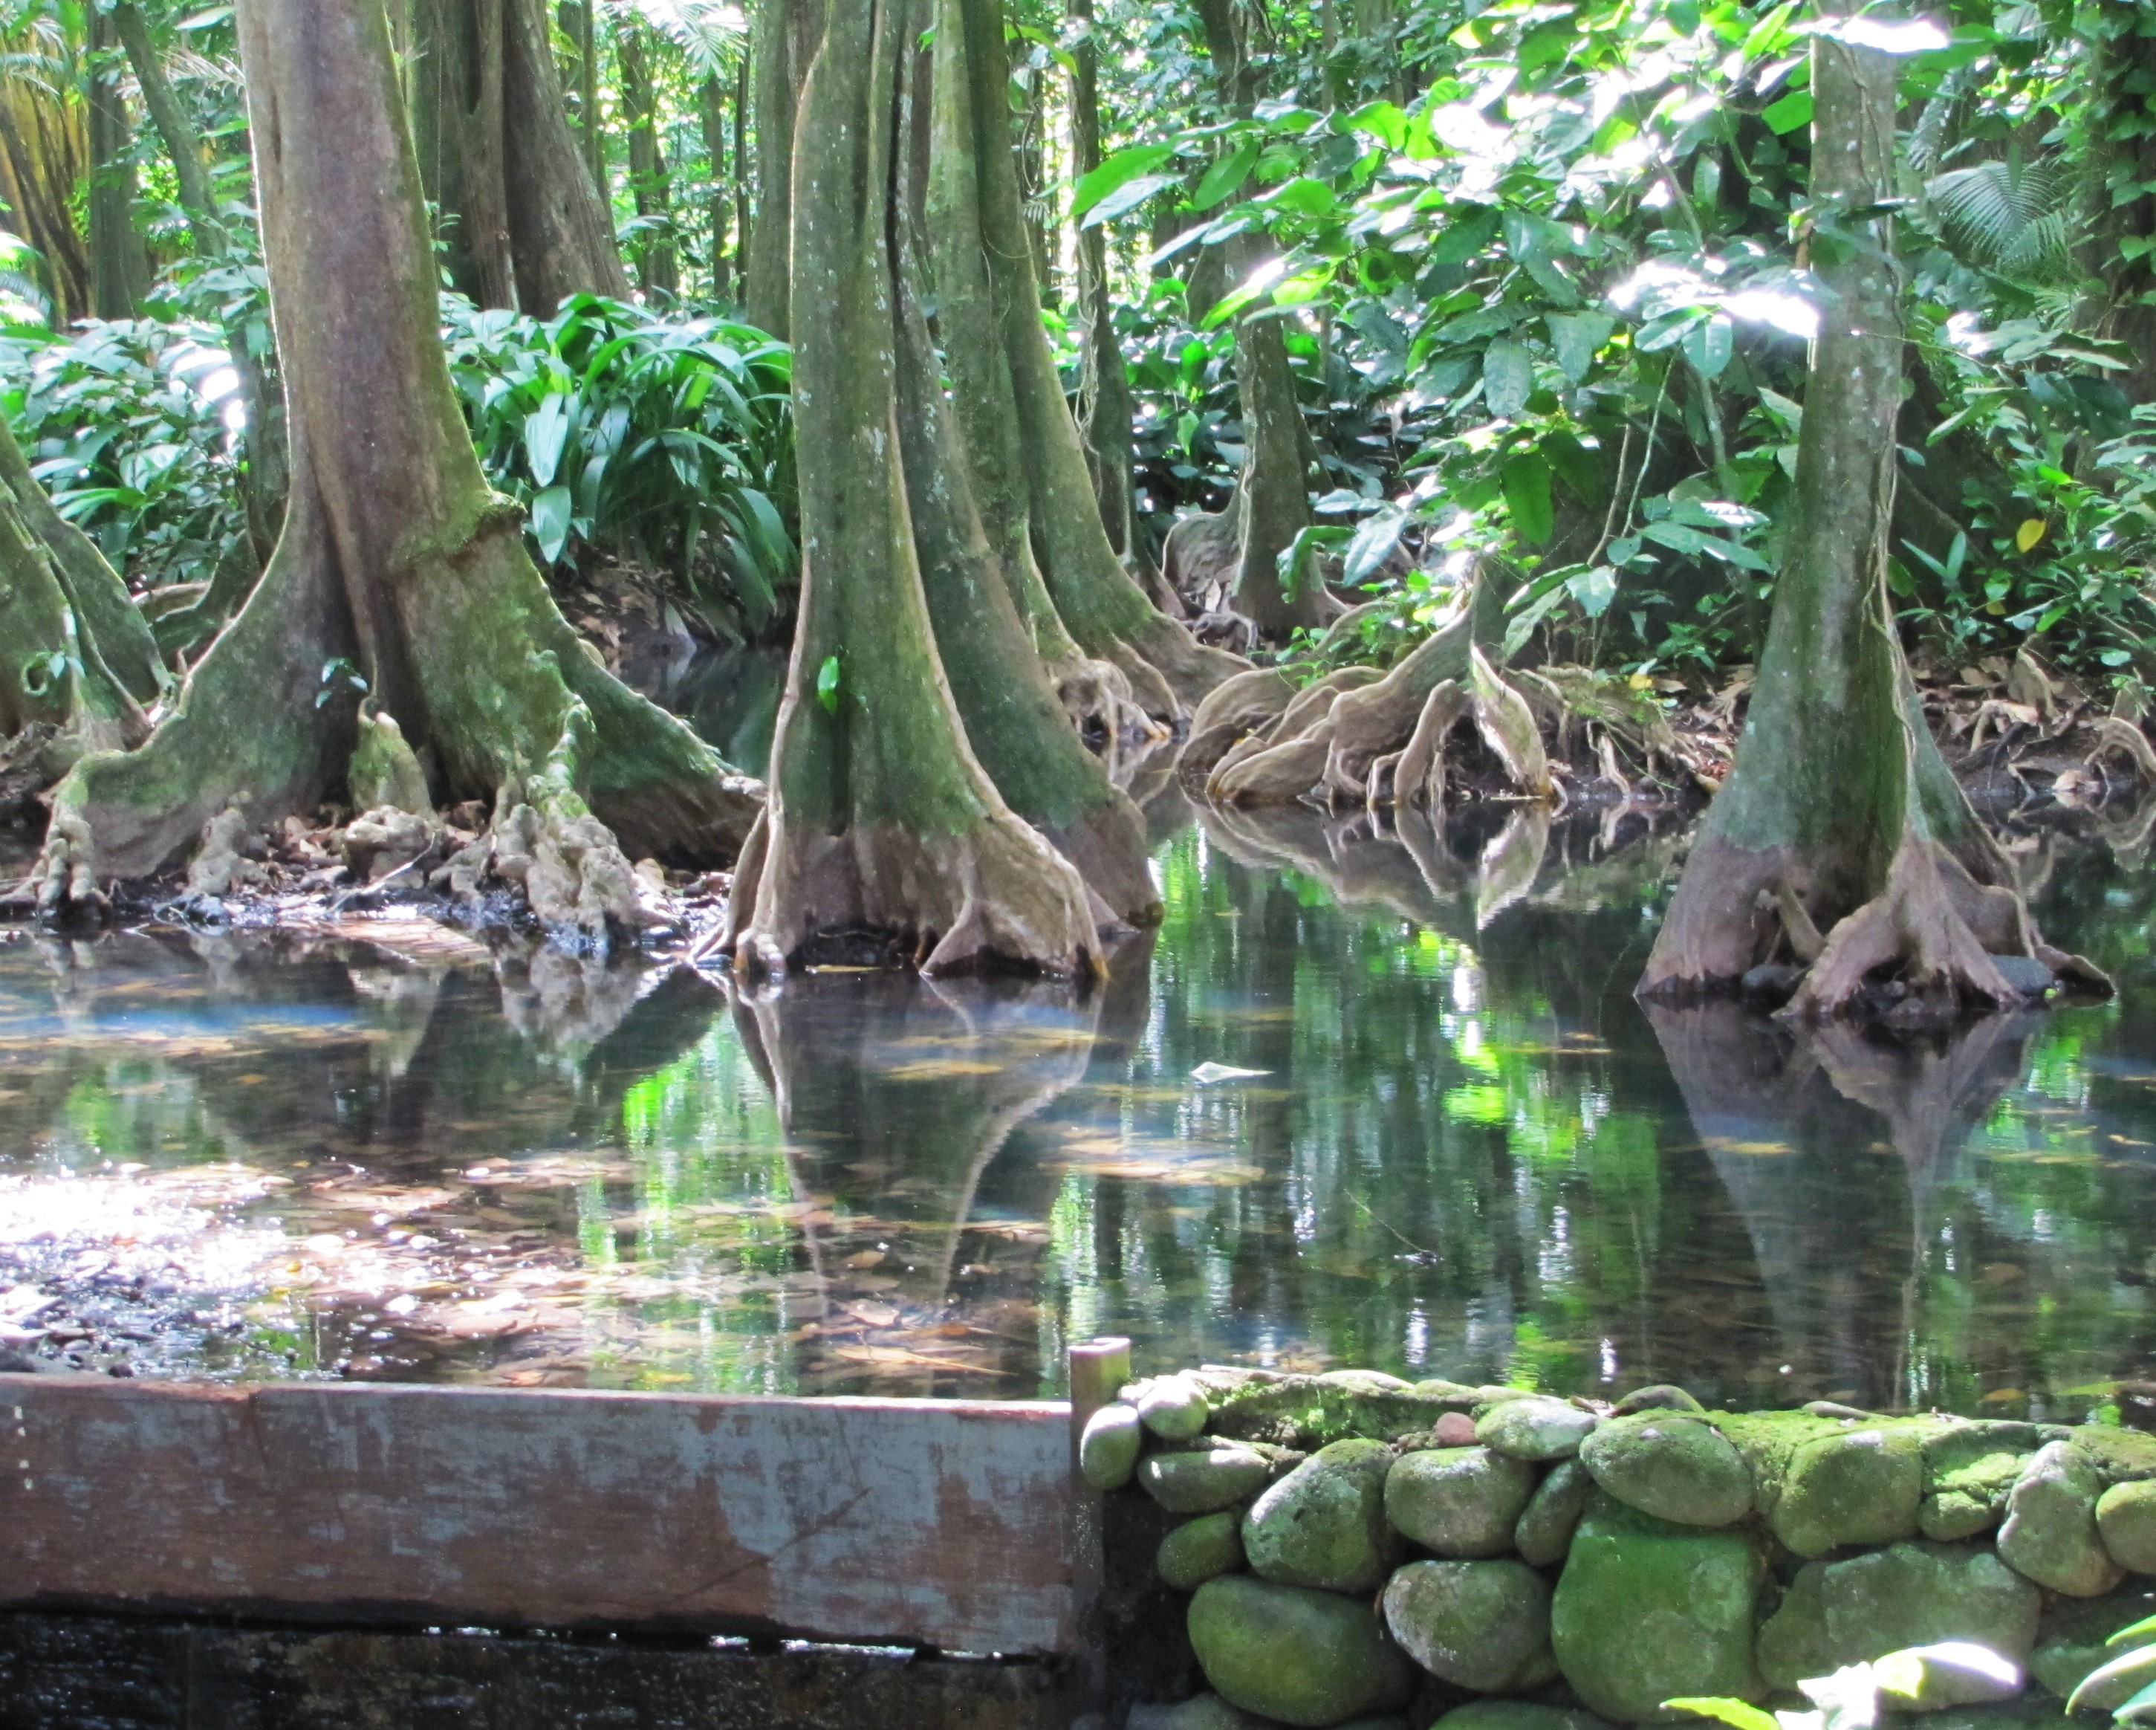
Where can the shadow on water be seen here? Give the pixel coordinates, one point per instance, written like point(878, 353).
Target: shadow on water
point(1372, 1094)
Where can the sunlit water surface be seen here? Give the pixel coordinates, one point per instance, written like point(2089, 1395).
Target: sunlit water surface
point(1461, 1150)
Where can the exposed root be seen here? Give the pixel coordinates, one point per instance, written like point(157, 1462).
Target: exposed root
point(229, 857)
point(998, 896)
point(1913, 923)
point(1247, 704)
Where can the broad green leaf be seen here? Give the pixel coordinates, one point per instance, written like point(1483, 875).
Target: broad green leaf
point(827, 684)
point(2031, 531)
point(1709, 344)
point(1373, 544)
point(1508, 377)
point(1792, 112)
point(1119, 170)
point(1226, 175)
point(544, 432)
point(1129, 197)
point(2144, 1630)
point(1577, 337)
point(1468, 235)
point(1594, 590)
point(1306, 195)
point(549, 521)
point(1737, 1714)
point(1527, 482)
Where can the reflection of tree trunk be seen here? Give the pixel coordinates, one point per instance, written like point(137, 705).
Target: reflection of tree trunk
point(1793, 1130)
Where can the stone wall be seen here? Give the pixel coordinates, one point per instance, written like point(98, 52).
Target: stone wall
point(1351, 1549)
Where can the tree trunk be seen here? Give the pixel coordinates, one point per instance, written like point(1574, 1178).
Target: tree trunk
point(1006, 377)
point(743, 174)
point(395, 559)
point(1105, 405)
point(45, 151)
point(713, 110)
point(1272, 496)
point(521, 218)
point(119, 262)
point(786, 33)
point(266, 478)
point(574, 17)
point(658, 264)
point(2115, 199)
point(881, 818)
point(1839, 815)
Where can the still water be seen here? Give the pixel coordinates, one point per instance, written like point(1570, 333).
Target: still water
point(1459, 1148)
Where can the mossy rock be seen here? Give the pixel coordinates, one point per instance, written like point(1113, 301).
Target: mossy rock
point(1204, 1480)
point(1206, 1711)
point(1477, 1624)
point(1518, 1715)
point(1536, 1428)
point(1109, 1445)
point(1661, 1397)
point(2126, 1522)
point(1674, 1465)
point(2121, 1455)
point(1459, 1502)
point(1324, 1523)
point(1199, 1549)
point(1173, 1408)
point(1545, 1528)
point(1293, 1654)
point(1909, 1594)
point(2051, 1533)
point(1859, 1487)
point(1649, 1610)
point(1309, 1412)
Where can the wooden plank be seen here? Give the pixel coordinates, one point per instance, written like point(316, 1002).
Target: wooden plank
point(935, 1522)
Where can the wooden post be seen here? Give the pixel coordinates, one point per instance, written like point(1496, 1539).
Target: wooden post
point(1098, 1368)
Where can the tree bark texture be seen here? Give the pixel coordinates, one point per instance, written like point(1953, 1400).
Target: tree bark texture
point(44, 150)
point(711, 111)
point(522, 217)
point(1105, 405)
point(395, 556)
point(1839, 816)
point(1006, 377)
point(881, 818)
point(119, 262)
point(787, 34)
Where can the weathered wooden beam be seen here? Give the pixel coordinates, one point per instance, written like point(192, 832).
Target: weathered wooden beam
point(942, 1523)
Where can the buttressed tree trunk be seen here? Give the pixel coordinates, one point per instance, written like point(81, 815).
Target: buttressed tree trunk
point(522, 213)
point(881, 818)
point(1009, 397)
point(1272, 497)
point(396, 561)
point(1104, 388)
point(1839, 816)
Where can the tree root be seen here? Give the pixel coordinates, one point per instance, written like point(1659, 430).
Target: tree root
point(997, 897)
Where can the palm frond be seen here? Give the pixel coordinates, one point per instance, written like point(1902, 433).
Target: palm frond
point(2007, 215)
point(709, 33)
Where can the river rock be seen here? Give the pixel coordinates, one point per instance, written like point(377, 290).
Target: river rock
point(1947, 1516)
point(1475, 1624)
point(2051, 1533)
point(1454, 1429)
point(2126, 1521)
point(1198, 1550)
point(1545, 1530)
point(1536, 1428)
point(1173, 1408)
point(1969, 1469)
point(1517, 1715)
point(1659, 1397)
point(1672, 1464)
point(1649, 1610)
point(1205, 1481)
point(1108, 1447)
point(1205, 1711)
point(1364, 1381)
point(1459, 1502)
point(1324, 1523)
point(1299, 1656)
point(1860, 1487)
point(1909, 1594)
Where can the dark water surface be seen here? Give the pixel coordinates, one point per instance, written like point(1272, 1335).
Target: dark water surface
point(1467, 1152)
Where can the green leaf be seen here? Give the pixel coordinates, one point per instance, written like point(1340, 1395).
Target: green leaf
point(1468, 235)
point(1227, 174)
point(1594, 590)
point(1118, 171)
point(1306, 195)
point(2144, 1630)
point(549, 521)
point(1577, 337)
point(1526, 479)
point(1508, 377)
point(1736, 1713)
point(1709, 344)
point(1373, 544)
point(544, 431)
point(827, 684)
point(1129, 197)
point(1793, 111)
point(2141, 1709)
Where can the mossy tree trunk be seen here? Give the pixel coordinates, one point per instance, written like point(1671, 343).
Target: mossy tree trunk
point(881, 817)
point(785, 36)
point(1104, 405)
point(1839, 816)
point(658, 260)
point(989, 306)
point(119, 262)
point(711, 112)
point(395, 559)
point(2116, 197)
point(522, 217)
point(1272, 496)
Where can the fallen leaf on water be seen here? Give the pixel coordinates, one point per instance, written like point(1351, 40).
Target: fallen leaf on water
point(1999, 1396)
point(938, 1068)
point(874, 1314)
